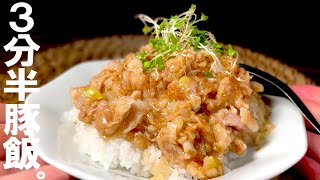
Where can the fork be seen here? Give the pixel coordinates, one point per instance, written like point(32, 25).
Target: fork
point(279, 88)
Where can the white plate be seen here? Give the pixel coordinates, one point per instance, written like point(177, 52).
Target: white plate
point(284, 147)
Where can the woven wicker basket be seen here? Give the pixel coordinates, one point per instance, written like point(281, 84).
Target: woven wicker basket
point(52, 62)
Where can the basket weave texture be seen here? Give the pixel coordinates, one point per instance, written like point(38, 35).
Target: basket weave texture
point(52, 62)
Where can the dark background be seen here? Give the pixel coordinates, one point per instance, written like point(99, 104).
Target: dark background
point(287, 31)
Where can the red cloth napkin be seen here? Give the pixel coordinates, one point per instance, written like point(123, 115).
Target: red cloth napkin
point(309, 165)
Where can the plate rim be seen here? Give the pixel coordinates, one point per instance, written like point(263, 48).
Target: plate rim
point(76, 172)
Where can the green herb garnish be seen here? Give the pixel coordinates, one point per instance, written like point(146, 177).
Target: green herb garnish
point(231, 52)
point(204, 17)
point(169, 36)
point(142, 54)
point(218, 49)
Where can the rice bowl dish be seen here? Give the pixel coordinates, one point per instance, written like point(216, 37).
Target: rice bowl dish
point(174, 109)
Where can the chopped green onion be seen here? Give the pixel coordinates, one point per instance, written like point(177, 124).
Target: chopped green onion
point(93, 93)
point(211, 162)
point(183, 80)
point(207, 74)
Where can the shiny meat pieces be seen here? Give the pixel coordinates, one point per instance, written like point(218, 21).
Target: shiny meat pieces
point(193, 119)
point(111, 116)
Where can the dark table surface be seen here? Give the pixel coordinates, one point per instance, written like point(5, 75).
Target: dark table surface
point(287, 31)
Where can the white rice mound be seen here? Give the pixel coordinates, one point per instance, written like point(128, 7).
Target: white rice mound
point(117, 153)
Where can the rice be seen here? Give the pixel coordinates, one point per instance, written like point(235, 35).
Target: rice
point(182, 100)
point(117, 153)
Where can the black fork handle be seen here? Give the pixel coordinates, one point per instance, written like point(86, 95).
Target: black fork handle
point(287, 91)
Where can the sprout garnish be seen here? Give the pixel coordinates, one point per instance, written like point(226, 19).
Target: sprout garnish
point(179, 32)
